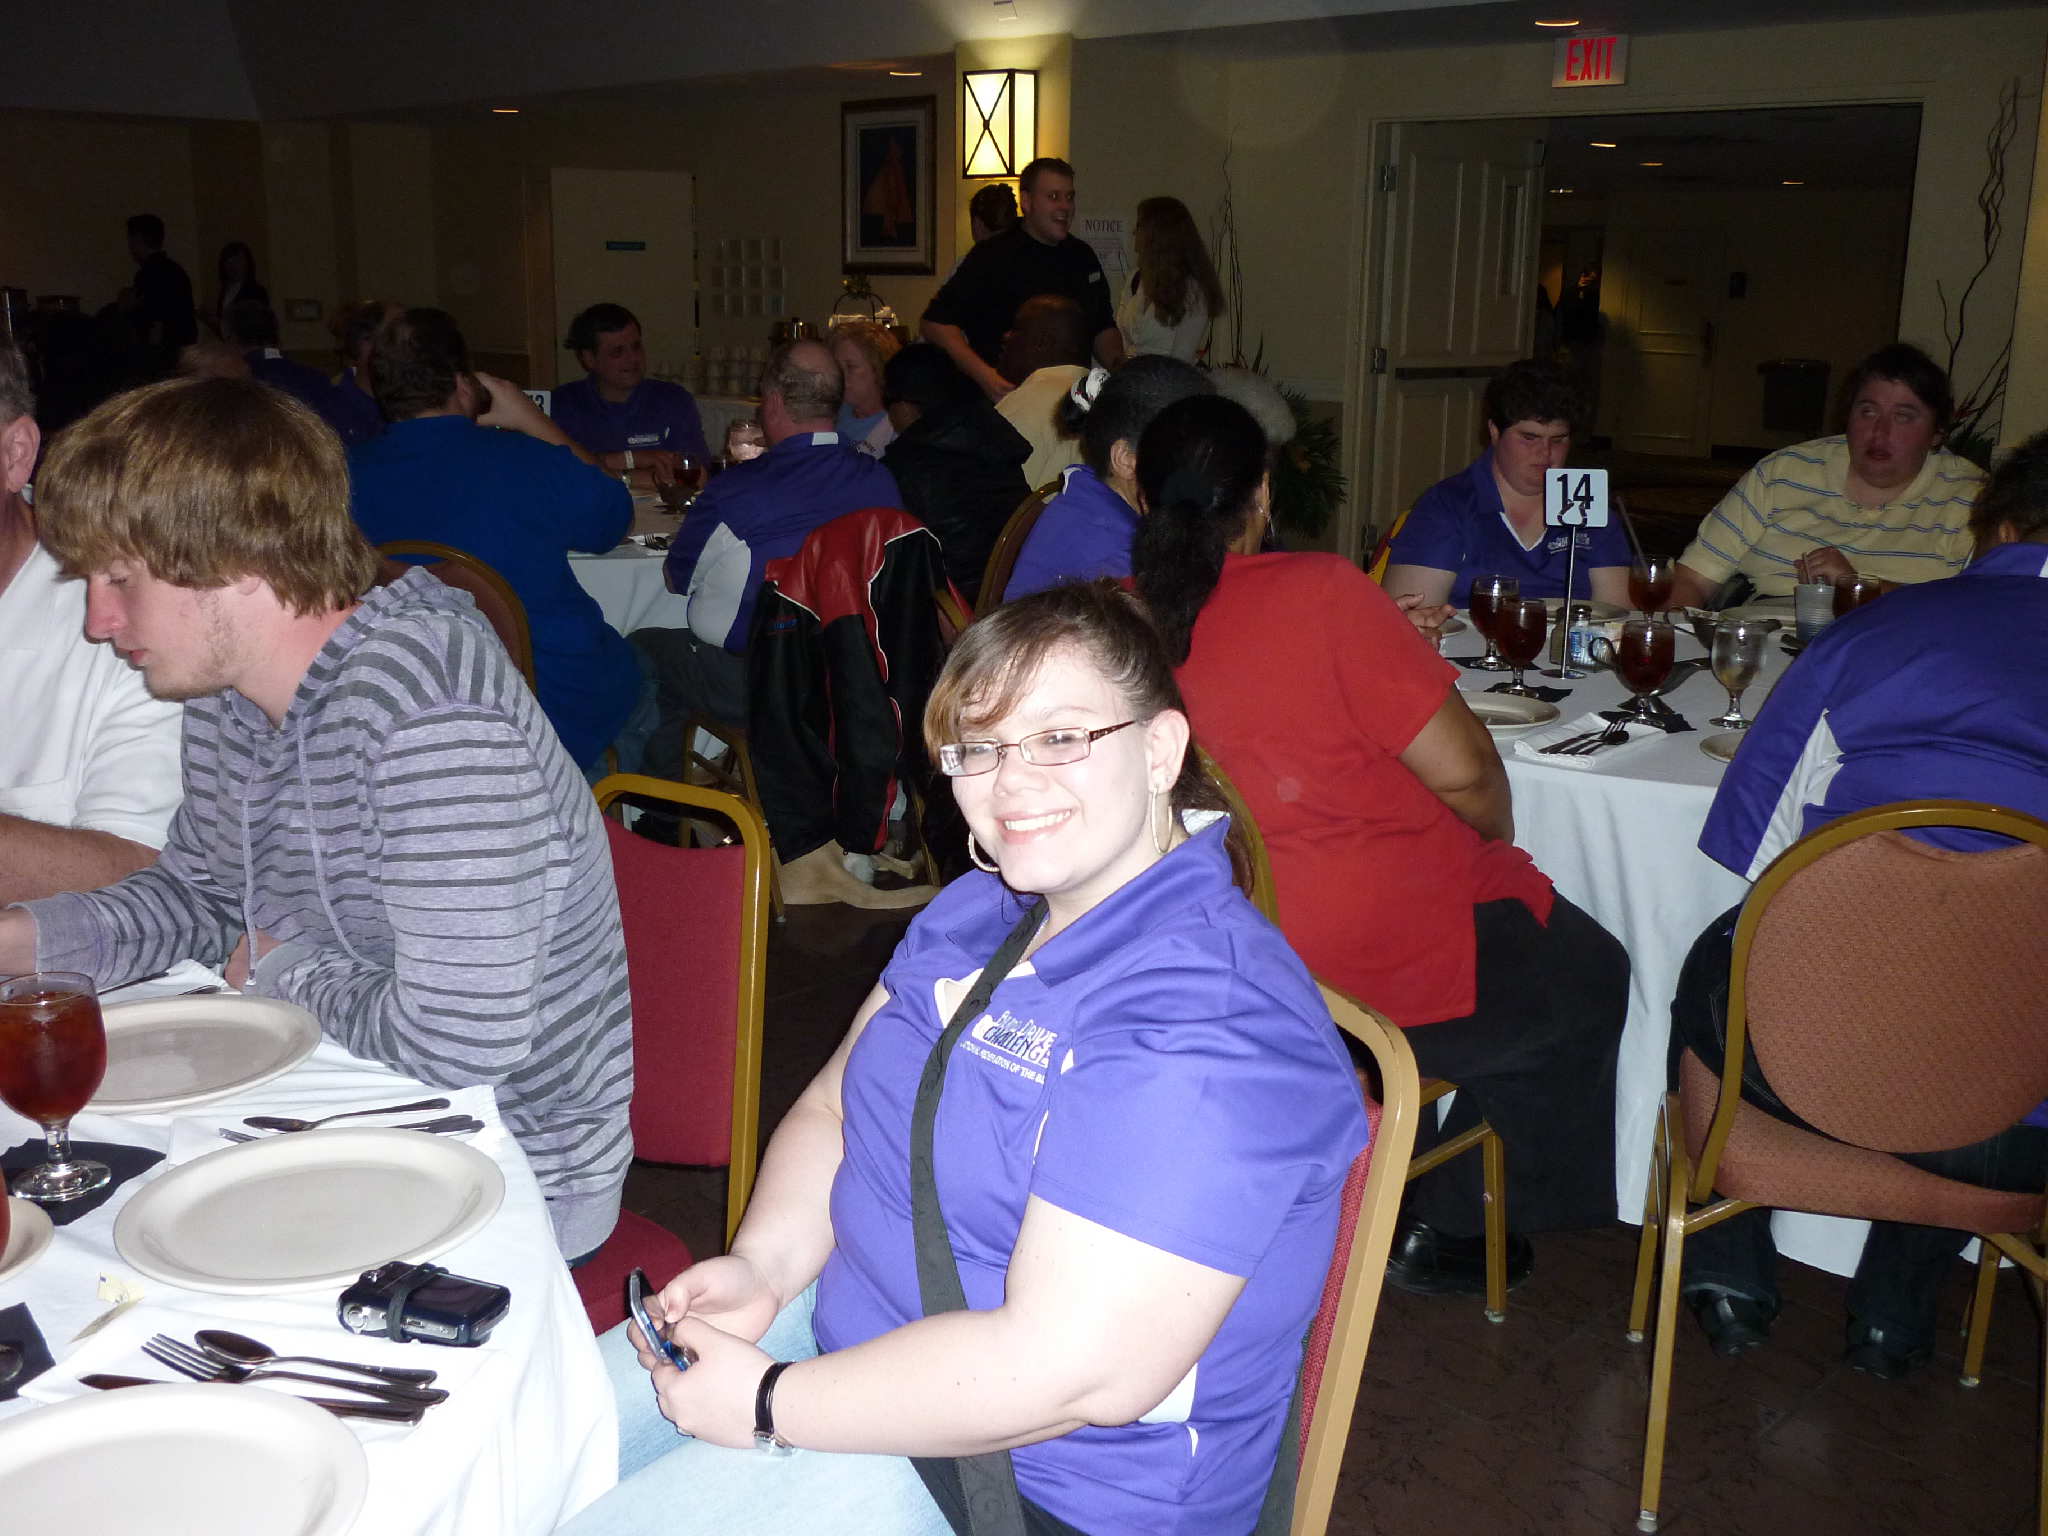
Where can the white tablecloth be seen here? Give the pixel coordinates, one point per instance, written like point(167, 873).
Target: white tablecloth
point(1624, 845)
point(628, 586)
point(526, 1439)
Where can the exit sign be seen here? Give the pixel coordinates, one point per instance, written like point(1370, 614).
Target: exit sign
point(1585, 60)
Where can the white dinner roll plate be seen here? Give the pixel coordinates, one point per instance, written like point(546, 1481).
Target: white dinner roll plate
point(307, 1211)
point(1503, 712)
point(144, 1461)
point(172, 1052)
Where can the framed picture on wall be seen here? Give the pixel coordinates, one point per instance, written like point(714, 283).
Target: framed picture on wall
point(889, 185)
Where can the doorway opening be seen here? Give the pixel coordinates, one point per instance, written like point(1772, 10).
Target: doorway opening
point(1709, 278)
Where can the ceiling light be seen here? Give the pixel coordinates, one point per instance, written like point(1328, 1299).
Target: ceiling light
point(1600, 144)
point(1562, 191)
point(1559, 21)
point(906, 74)
point(505, 111)
point(1006, 10)
point(1652, 164)
point(1791, 183)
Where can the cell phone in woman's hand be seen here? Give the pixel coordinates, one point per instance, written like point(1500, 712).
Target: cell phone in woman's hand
point(657, 1338)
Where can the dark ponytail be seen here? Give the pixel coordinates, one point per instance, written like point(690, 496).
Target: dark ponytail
point(1124, 404)
point(1200, 464)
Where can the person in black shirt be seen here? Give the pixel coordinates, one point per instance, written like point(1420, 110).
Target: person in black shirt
point(159, 303)
point(970, 314)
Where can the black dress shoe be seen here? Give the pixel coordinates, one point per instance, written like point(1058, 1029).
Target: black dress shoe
point(1732, 1324)
point(1887, 1356)
point(1426, 1262)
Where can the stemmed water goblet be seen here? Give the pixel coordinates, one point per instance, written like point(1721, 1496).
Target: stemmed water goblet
point(1643, 658)
point(53, 1053)
point(1490, 594)
point(1649, 583)
point(1518, 627)
point(1738, 653)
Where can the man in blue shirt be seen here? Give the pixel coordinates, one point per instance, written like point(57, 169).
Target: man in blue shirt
point(1935, 691)
point(519, 500)
point(615, 411)
point(755, 512)
point(1487, 519)
point(251, 326)
point(352, 412)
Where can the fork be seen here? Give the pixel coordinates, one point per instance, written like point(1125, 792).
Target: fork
point(446, 1125)
point(188, 1361)
point(1613, 736)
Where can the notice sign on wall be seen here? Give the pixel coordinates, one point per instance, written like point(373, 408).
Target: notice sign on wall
point(1585, 60)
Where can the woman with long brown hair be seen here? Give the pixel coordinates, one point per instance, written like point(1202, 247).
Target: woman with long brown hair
point(1174, 295)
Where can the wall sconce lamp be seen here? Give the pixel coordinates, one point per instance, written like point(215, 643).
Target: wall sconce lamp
point(998, 121)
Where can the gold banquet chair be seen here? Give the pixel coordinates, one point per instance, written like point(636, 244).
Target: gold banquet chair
point(1861, 945)
point(1002, 560)
point(492, 593)
point(1492, 1151)
point(1333, 1359)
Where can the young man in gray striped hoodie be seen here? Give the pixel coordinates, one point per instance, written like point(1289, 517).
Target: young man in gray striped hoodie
point(372, 795)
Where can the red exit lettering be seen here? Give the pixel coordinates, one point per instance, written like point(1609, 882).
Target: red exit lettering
point(1591, 60)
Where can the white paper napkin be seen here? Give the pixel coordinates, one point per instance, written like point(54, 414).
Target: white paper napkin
point(1530, 744)
point(116, 1350)
point(198, 1133)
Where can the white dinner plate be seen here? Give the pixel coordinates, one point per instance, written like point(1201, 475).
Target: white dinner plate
point(1508, 712)
point(1722, 745)
point(170, 1052)
point(28, 1234)
point(229, 1461)
point(1603, 613)
point(1781, 611)
point(308, 1211)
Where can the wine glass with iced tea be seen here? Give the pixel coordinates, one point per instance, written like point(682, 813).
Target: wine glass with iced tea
point(1489, 595)
point(1643, 658)
point(1518, 629)
point(53, 1053)
point(1649, 583)
point(1854, 592)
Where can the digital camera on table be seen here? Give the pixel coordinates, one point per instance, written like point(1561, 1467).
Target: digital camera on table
point(423, 1302)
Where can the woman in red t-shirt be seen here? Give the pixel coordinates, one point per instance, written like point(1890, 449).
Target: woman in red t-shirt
point(1386, 812)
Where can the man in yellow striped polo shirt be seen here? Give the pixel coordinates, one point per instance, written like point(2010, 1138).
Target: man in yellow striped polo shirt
point(1883, 499)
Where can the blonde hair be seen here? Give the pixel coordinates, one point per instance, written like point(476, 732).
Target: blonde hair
point(205, 481)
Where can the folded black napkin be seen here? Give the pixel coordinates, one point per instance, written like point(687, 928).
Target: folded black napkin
point(125, 1162)
point(1667, 720)
point(18, 1327)
point(1535, 691)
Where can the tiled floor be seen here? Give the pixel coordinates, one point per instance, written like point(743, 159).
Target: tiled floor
point(1536, 1426)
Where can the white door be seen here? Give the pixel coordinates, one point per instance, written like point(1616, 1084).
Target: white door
point(623, 237)
point(1660, 295)
point(1457, 299)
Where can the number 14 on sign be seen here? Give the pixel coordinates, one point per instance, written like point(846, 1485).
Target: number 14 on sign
point(1575, 498)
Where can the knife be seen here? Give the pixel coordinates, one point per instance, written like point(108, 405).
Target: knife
point(394, 1413)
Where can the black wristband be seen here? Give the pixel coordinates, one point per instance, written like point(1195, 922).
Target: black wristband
point(764, 1409)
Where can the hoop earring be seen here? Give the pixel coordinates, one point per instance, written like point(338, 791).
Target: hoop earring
point(974, 855)
point(1162, 839)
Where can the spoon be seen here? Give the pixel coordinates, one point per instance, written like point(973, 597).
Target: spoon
point(286, 1123)
point(240, 1349)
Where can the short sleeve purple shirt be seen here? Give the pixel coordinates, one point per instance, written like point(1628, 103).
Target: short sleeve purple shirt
point(1164, 1068)
point(1459, 526)
point(658, 414)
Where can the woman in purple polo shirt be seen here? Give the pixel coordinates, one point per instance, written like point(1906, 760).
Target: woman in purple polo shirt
point(1487, 519)
point(1138, 1154)
point(1086, 529)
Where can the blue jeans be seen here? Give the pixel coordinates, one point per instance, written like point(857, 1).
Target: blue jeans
point(669, 1483)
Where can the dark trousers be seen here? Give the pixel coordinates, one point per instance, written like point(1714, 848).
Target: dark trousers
point(1897, 1285)
point(691, 677)
point(1535, 1059)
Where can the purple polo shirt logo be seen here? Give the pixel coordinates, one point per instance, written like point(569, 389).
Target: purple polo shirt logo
point(1014, 1044)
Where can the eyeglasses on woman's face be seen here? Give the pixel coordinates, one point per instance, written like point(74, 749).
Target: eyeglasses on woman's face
point(1041, 749)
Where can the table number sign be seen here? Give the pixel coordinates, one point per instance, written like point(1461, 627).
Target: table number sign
point(1575, 498)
